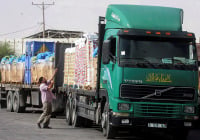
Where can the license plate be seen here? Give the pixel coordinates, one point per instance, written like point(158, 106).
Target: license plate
point(157, 125)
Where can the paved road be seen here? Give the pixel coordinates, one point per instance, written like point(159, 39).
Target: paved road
point(22, 126)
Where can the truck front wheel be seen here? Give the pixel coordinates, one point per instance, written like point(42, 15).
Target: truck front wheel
point(108, 130)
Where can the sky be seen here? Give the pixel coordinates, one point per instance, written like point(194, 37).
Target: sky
point(19, 18)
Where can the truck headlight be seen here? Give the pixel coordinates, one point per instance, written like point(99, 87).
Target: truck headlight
point(124, 106)
point(189, 109)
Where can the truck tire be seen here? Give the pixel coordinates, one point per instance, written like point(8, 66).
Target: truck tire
point(68, 111)
point(9, 100)
point(17, 107)
point(76, 120)
point(108, 130)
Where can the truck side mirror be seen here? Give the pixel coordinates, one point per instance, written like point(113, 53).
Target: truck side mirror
point(106, 51)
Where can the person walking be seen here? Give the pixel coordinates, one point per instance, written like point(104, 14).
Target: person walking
point(47, 97)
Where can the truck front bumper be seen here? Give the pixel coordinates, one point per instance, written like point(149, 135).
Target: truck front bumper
point(119, 121)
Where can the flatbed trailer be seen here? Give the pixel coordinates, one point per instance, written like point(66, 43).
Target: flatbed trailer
point(16, 97)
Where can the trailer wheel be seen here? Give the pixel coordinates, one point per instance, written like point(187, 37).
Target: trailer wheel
point(76, 120)
point(16, 103)
point(108, 131)
point(68, 112)
point(9, 100)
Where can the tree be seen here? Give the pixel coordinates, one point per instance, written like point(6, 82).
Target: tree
point(5, 50)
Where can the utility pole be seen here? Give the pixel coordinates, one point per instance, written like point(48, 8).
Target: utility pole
point(42, 6)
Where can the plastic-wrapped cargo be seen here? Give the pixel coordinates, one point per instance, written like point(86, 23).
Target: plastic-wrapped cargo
point(85, 67)
point(20, 68)
point(69, 66)
point(3, 73)
point(13, 73)
point(42, 66)
point(7, 73)
point(40, 70)
point(34, 74)
point(12, 69)
point(81, 62)
point(50, 70)
point(36, 52)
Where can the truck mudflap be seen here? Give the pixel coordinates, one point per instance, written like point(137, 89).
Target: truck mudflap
point(119, 121)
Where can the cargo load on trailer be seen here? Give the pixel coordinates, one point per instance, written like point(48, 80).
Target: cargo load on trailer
point(12, 69)
point(20, 75)
point(81, 63)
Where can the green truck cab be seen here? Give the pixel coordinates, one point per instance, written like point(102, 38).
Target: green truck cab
point(149, 69)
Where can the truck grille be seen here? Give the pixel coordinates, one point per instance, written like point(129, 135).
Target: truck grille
point(157, 111)
point(143, 92)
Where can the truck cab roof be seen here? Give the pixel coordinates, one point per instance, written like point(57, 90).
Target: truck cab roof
point(144, 17)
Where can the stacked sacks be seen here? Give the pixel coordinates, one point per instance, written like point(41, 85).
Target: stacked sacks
point(3, 68)
point(8, 65)
point(49, 65)
point(20, 68)
point(42, 66)
point(34, 77)
point(12, 69)
point(6, 68)
point(13, 73)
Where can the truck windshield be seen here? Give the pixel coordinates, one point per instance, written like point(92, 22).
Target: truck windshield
point(157, 52)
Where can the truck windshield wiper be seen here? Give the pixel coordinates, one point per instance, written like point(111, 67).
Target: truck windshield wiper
point(158, 92)
point(145, 61)
point(177, 61)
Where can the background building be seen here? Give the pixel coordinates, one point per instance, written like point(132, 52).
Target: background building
point(62, 36)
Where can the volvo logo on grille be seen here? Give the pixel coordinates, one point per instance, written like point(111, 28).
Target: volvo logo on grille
point(158, 93)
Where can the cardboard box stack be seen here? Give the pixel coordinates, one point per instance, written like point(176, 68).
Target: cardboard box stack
point(69, 66)
point(81, 64)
